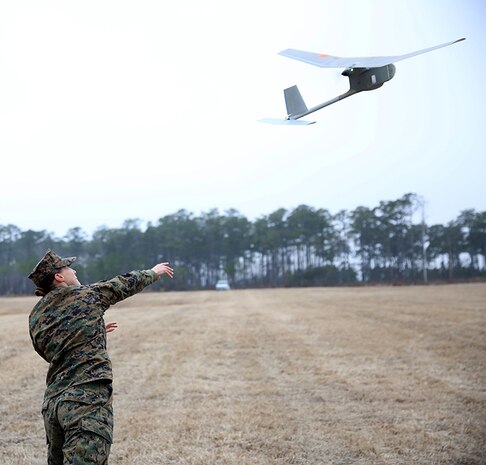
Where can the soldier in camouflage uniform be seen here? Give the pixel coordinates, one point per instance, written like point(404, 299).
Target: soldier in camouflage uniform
point(68, 331)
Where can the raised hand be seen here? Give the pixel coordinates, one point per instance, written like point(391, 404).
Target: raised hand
point(163, 268)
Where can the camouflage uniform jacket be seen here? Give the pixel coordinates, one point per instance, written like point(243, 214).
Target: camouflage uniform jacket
point(68, 331)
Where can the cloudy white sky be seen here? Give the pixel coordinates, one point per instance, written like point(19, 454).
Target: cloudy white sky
point(112, 110)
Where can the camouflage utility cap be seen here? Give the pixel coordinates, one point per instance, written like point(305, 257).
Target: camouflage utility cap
point(49, 263)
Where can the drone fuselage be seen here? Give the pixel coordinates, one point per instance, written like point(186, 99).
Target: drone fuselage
point(361, 79)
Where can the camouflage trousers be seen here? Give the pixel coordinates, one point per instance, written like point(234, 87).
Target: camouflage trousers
point(79, 425)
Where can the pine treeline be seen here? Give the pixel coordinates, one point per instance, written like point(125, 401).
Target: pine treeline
point(301, 247)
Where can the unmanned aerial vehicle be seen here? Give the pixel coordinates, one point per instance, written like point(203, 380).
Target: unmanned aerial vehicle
point(364, 73)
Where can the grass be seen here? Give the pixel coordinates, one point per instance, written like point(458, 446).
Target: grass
point(365, 376)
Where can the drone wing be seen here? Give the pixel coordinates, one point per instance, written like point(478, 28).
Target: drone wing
point(329, 61)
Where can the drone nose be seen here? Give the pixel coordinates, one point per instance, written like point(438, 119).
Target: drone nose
point(347, 72)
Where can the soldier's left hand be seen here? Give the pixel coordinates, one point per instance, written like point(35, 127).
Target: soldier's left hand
point(111, 326)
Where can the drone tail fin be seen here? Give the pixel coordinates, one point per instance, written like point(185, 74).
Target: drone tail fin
point(294, 102)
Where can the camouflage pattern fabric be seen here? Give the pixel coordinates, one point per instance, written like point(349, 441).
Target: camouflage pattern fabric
point(79, 425)
point(68, 331)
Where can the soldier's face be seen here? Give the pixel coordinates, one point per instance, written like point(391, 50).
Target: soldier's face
point(69, 275)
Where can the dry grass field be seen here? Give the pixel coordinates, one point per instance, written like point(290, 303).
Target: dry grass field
point(383, 375)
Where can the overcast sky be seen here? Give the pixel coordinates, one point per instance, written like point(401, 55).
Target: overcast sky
point(112, 110)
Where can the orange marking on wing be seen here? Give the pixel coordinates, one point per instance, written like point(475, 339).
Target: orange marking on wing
point(323, 55)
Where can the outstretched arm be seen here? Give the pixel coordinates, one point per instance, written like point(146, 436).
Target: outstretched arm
point(120, 287)
point(159, 269)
